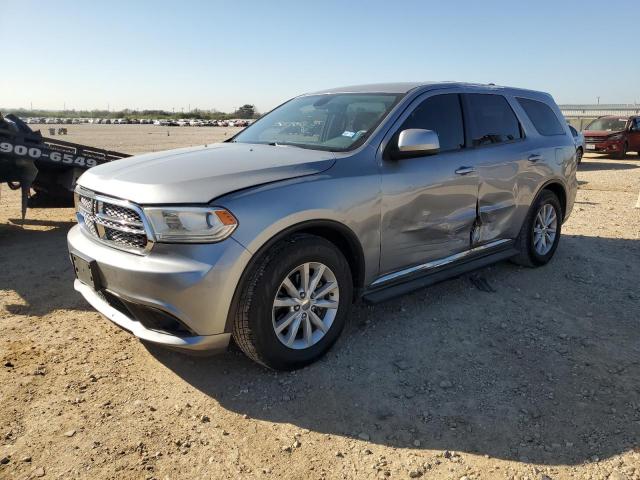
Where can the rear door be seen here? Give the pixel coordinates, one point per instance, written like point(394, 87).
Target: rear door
point(428, 202)
point(634, 135)
point(501, 162)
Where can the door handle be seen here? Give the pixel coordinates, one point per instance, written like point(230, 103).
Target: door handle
point(465, 170)
point(535, 157)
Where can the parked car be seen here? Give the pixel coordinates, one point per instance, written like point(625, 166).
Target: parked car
point(613, 135)
point(578, 139)
point(269, 237)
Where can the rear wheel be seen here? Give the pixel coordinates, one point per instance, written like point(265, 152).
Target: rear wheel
point(540, 233)
point(294, 303)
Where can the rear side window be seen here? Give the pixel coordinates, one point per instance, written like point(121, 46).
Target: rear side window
point(493, 120)
point(542, 117)
point(574, 132)
point(443, 115)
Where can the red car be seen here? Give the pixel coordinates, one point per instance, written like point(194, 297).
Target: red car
point(613, 135)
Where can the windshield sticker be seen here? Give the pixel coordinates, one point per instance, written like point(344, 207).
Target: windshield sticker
point(347, 133)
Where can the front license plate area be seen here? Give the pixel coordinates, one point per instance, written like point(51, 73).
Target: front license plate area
point(591, 146)
point(86, 271)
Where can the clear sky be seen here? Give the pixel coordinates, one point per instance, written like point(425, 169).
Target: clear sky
point(214, 54)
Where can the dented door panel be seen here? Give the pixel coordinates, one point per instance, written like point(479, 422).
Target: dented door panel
point(428, 211)
point(500, 170)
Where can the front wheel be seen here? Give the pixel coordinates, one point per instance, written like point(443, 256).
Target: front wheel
point(579, 154)
point(623, 153)
point(540, 233)
point(294, 303)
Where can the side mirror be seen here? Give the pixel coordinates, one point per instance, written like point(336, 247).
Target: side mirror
point(416, 142)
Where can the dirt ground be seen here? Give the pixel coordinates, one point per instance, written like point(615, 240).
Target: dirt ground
point(535, 377)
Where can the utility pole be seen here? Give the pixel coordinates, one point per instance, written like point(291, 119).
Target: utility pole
point(598, 100)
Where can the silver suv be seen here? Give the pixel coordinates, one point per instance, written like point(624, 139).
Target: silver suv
point(359, 192)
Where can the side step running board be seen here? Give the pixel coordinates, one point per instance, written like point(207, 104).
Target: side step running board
point(429, 278)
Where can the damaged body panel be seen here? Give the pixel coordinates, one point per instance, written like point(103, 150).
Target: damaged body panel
point(427, 213)
point(498, 189)
point(478, 189)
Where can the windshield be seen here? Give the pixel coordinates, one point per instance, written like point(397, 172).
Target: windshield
point(608, 124)
point(334, 122)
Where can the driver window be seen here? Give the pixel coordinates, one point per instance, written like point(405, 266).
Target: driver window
point(443, 115)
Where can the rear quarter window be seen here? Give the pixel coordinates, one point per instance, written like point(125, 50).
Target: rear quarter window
point(544, 120)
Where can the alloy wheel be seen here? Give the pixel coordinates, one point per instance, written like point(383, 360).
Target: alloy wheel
point(544, 229)
point(305, 305)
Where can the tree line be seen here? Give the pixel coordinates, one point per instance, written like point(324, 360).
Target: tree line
point(247, 111)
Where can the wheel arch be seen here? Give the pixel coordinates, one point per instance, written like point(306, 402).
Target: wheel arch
point(557, 188)
point(335, 232)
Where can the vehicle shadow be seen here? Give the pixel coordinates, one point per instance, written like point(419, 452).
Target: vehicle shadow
point(35, 266)
point(587, 166)
point(544, 370)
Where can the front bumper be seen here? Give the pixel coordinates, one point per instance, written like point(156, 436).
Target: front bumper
point(191, 342)
point(603, 147)
point(193, 284)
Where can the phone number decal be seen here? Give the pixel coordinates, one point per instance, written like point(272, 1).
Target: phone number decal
point(37, 153)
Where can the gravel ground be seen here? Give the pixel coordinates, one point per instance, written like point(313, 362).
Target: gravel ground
point(504, 373)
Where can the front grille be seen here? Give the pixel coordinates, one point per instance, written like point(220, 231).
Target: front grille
point(595, 139)
point(114, 222)
point(121, 213)
point(131, 240)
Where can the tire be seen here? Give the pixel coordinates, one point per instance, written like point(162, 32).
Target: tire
point(257, 314)
point(529, 255)
point(579, 154)
point(623, 153)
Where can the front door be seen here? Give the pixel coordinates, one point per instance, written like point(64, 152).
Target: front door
point(428, 202)
point(634, 135)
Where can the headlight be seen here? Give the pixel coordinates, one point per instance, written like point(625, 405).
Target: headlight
point(190, 224)
point(618, 136)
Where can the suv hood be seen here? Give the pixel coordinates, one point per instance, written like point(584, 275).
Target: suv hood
point(200, 174)
point(600, 133)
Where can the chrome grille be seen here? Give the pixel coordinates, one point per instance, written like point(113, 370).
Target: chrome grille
point(122, 213)
point(131, 240)
point(86, 203)
point(114, 222)
point(595, 139)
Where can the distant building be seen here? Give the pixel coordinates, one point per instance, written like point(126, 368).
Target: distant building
point(580, 115)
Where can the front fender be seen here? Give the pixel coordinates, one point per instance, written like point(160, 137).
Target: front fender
point(265, 212)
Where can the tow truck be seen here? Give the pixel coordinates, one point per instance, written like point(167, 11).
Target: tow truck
point(44, 169)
